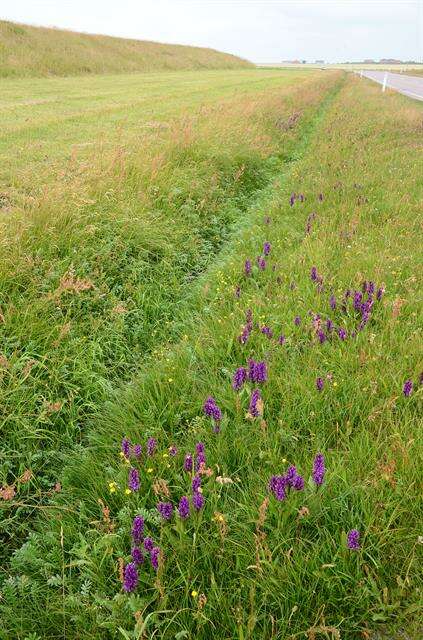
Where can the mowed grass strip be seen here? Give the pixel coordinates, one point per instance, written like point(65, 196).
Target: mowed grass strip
point(47, 122)
point(95, 267)
point(247, 566)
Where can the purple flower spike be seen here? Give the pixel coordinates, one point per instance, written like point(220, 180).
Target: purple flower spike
point(298, 483)
point(137, 529)
point(353, 539)
point(245, 334)
point(329, 324)
point(292, 199)
point(196, 483)
point(173, 451)
point(148, 544)
point(200, 447)
point(165, 509)
point(126, 447)
point(313, 274)
point(254, 400)
point(188, 463)
point(266, 248)
point(240, 376)
point(237, 291)
point(290, 475)
point(281, 339)
point(247, 267)
point(212, 410)
point(278, 486)
point(267, 331)
point(183, 508)
point(197, 500)
point(137, 555)
point(342, 333)
point(407, 388)
point(380, 293)
point(133, 479)
point(261, 263)
point(297, 321)
point(257, 371)
point(154, 557)
point(130, 580)
point(319, 469)
point(151, 446)
point(137, 451)
point(200, 458)
point(332, 302)
point(319, 384)
point(358, 296)
point(322, 336)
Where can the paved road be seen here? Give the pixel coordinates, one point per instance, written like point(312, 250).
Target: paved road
point(411, 86)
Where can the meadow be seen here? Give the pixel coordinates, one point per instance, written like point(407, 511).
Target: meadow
point(99, 245)
point(211, 363)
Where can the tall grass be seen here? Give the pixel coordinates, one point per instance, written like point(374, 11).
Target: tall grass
point(35, 51)
point(246, 565)
point(95, 268)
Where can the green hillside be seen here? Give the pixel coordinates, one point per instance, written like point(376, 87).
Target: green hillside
point(37, 51)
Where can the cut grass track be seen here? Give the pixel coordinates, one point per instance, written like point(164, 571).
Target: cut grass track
point(262, 571)
point(95, 266)
point(46, 122)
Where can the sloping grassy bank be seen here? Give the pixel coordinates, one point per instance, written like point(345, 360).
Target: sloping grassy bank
point(37, 51)
point(245, 564)
point(94, 269)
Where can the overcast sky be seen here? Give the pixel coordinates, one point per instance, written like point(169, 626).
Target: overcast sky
point(260, 30)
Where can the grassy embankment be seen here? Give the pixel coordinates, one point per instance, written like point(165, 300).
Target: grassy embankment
point(99, 250)
point(246, 565)
point(38, 51)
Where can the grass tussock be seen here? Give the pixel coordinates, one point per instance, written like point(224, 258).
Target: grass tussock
point(37, 51)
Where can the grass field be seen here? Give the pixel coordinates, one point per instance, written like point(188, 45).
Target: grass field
point(38, 51)
point(47, 121)
point(126, 263)
point(99, 245)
